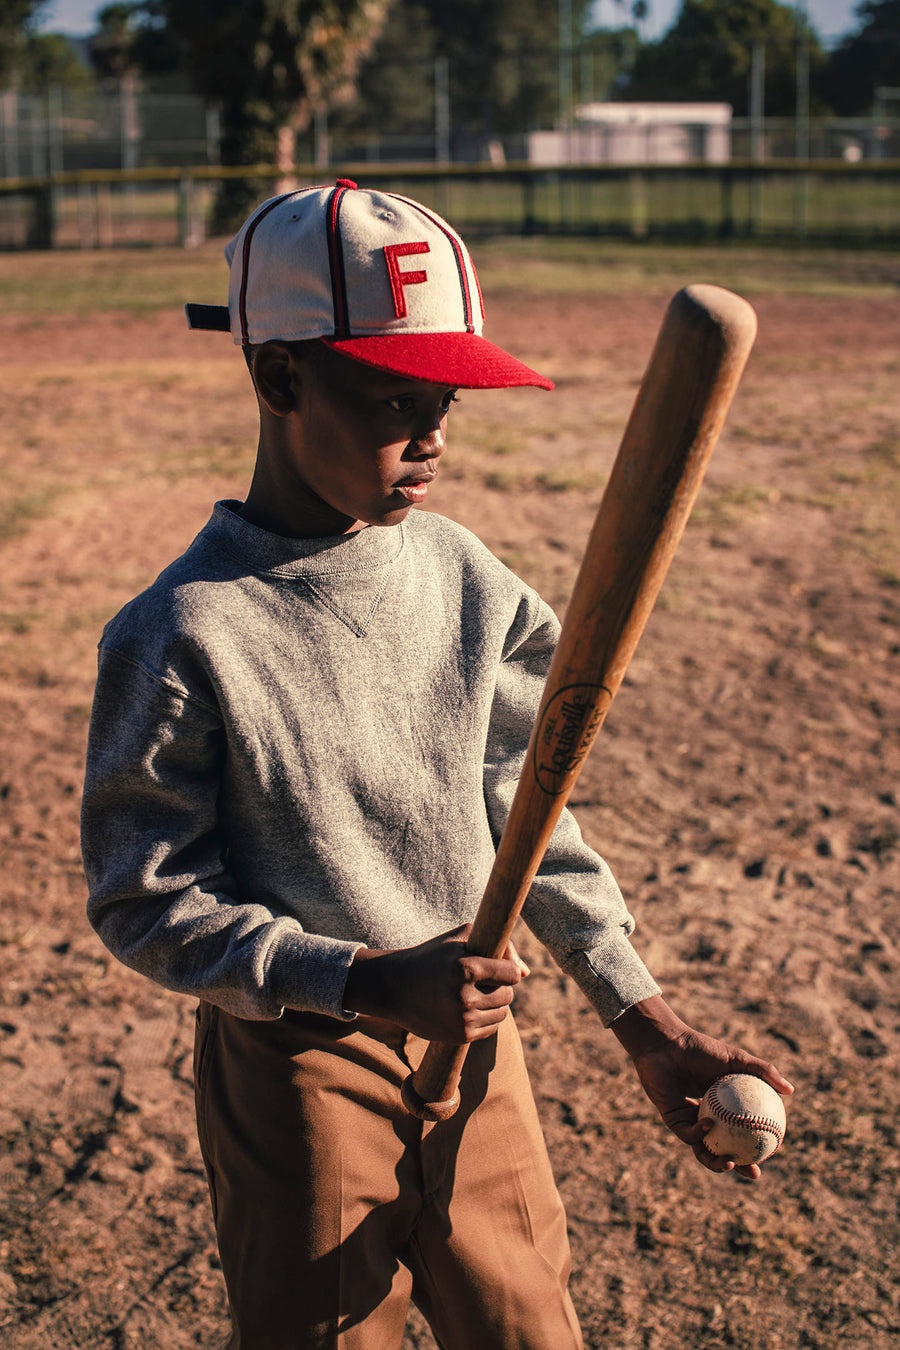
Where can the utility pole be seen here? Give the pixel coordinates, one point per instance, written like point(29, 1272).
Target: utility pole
point(802, 138)
point(565, 63)
point(442, 110)
point(757, 128)
point(757, 101)
point(802, 142)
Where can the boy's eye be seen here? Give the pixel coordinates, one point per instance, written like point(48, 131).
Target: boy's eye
point(405, 404)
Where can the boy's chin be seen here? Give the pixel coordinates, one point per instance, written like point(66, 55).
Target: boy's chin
point(388, 518)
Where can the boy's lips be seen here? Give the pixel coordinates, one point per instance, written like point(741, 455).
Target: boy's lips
point(415, 489)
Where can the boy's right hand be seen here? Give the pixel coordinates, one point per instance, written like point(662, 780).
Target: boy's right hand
point(438, 990)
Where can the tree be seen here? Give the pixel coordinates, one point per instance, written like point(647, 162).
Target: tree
point(271, 65)
point(506, 60)
point(50, 59)
point(132, 38)
point(17, 18)
point(612, 52)
point(707, 56)
point(395, 87)
point(866, 60)
point(503, 62)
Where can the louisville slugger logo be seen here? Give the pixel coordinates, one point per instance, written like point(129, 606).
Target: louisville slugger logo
point(566, 731)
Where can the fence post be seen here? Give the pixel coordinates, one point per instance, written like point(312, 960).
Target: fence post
point(529, 224)
point(756, 199)
point(187, 237)
point(42, 230)
point(801, 192)
point(726, 224)
point(103, 199)
point(85, 216)
point(9, 108)
point(638, 205)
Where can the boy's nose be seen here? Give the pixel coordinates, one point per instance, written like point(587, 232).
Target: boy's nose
point(430, 444)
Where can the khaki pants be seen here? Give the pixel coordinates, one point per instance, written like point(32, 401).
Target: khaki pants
point(333, 1207)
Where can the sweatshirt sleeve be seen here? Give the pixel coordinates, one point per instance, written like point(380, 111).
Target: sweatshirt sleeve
point(575, 906)
point(161, 896)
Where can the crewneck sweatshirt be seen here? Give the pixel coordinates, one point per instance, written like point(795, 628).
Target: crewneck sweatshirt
point(301, 747)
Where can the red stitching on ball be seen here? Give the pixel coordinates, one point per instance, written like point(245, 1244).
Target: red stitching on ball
point(726, 1117)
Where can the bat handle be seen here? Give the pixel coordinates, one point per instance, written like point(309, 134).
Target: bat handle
point(432, 1092)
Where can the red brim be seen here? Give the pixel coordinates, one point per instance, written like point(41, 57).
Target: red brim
point(460, 359)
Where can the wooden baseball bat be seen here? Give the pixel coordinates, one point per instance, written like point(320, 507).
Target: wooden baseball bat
point(694, 370)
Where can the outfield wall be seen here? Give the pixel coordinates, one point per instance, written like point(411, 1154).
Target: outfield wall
point(817, 201)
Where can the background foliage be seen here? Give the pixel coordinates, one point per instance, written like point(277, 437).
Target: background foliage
point(277, 70)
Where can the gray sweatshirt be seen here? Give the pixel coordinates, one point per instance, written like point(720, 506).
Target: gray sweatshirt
point(301, 747)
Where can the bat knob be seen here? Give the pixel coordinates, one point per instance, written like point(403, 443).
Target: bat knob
point(418, 1106)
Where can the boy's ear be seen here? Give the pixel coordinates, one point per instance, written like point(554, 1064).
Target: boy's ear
point(272, 368)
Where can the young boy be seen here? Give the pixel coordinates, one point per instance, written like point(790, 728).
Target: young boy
point(306, 735)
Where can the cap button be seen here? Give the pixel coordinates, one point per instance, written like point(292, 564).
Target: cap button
point(346, 182)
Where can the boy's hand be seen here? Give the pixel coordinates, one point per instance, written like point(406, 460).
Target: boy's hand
point(438, 990)
point(676, 1065)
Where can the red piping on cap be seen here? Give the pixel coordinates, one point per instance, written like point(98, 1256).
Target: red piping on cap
point(458, 255)
point(336, 261)
point(245, 261)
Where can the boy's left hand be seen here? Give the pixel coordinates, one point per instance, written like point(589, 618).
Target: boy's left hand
point(676, 1065)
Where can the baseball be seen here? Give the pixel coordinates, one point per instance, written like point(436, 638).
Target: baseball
point(749, 1115)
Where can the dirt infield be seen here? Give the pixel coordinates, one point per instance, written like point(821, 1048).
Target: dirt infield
point(744, 790)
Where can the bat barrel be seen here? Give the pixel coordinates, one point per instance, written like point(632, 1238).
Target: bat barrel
point(694, 370)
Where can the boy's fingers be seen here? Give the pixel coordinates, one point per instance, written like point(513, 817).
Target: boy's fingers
point(761, 1069)
point(718, 1162)
point(778, 1081)
point(721, 1163)
point(486, 973)
point(511, 954)
point(485, 1027)
point(495, 996)
point(687, 1128)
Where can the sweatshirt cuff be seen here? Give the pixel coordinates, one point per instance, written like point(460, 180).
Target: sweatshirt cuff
point(311, 975)
point(612, 977)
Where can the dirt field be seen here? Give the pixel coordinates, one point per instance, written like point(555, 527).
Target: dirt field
point(745, 790)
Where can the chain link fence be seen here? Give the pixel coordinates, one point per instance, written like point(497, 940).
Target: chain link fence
point(126, 128)
point(59, 131)
point(130, 166)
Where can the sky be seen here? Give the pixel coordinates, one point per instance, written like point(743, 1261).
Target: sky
point(830, 18)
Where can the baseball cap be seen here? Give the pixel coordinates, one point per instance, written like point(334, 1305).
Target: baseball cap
point(376, 276)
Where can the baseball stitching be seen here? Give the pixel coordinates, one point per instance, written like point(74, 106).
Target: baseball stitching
point(748, 1122)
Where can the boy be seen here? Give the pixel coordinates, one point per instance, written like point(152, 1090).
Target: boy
point(305, 738)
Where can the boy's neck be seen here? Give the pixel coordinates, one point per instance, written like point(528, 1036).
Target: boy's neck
point(279, 502)
point(270, 515)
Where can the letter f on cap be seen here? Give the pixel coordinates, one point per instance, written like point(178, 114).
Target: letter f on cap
point(398, 279)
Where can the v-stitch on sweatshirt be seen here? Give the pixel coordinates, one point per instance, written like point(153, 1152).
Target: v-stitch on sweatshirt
point(301, 747)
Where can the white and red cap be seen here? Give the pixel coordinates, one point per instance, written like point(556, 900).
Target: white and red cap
point(376, 276)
